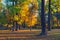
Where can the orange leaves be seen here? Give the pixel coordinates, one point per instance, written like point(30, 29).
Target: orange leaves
point(25, 7)
point(32, 20)
point(29, 17)
point(26, 15)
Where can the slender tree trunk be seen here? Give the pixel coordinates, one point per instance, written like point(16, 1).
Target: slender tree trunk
point(43, 19)
point(49, 15)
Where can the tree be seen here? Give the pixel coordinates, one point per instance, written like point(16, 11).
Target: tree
point(49, 15)
point(43, 32)
point(26, 12)
point(3, 19)
point(55, 9)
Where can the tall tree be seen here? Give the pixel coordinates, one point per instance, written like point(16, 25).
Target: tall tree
point(49, 15)
point(43, 32)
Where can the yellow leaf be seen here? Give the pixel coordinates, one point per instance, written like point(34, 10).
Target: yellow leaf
point(59, 9)
point(54, 10)
point(16, 18)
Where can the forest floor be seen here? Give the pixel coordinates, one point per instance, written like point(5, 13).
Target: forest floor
point(54, 34)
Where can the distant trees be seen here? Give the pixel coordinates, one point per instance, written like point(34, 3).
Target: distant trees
point(26, 10)
point(55, 10)
point(2, 16)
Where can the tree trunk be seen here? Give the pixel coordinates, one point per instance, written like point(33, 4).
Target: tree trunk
point(49, 15)
point(43, 32)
